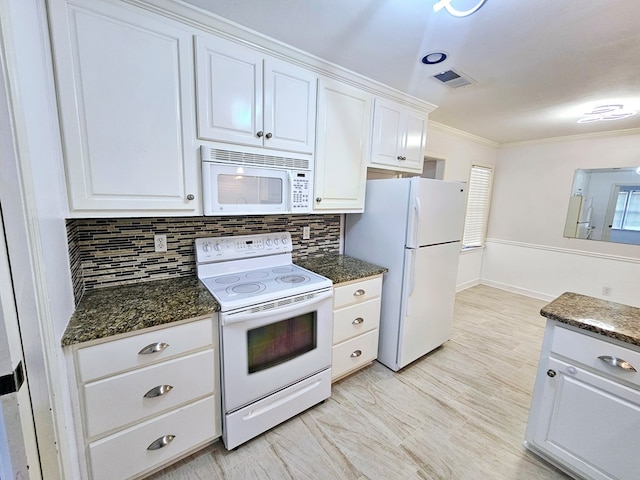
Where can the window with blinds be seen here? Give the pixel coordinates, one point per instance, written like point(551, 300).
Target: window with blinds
point(478, 198)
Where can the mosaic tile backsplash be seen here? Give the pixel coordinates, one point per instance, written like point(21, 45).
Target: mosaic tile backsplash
point(116, 251)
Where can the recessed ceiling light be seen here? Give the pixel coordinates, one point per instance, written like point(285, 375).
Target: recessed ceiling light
point(434, 57)
point(446, 4)
point(607, 112)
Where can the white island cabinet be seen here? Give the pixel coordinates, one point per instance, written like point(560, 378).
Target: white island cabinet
point(585, 412)
point(146, 398)
point(249, 98)
point(124, 78)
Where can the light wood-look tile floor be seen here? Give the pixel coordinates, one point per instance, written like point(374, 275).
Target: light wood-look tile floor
point(458, 413)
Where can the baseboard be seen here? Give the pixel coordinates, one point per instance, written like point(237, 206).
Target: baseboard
point(469, 284)
point(521, 291)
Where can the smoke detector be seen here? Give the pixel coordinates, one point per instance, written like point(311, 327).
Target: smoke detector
point(453, 79)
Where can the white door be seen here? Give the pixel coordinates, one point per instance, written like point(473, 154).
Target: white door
point(430, 286)
point(388, 134)
point(126, 101)
point(289, 107)
point(437, 214)
point(344, 120)
point(229, 91)
point(415, 139)
point(18, 447)
point(590, 423)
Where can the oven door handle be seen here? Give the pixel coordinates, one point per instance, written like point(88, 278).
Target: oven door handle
point(243, 317)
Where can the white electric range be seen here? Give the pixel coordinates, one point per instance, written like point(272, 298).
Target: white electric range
point(276, 328)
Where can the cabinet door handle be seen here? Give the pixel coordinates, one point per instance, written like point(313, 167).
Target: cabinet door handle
point(269, 135)
point(358, 321)
point(617, 362)
point(259, 134)
point(153, 348)
point(158, 391)
point(356, 354)
point(318, 199)
point(359, 293)
point(191, 196)
point(161, 442)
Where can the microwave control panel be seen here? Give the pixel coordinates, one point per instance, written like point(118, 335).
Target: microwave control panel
point(300, 192)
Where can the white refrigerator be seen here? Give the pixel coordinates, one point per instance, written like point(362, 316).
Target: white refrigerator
point(413, 227)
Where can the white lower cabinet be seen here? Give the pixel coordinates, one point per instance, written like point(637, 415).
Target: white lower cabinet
point(158, 401)
point(356, 318)
point(585, 412)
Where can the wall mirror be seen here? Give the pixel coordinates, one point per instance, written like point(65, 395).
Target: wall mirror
point(605, 205)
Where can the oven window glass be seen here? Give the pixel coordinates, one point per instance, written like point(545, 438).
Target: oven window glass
point(249, 190)
point(281, 341)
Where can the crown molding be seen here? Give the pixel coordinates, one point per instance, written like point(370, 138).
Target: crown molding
point(463, 134)
point(570, 138)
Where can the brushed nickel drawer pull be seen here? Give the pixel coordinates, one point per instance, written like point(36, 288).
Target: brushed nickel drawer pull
point(161, 442)
point(359, 293)
point(617, 362)
point(158, 391)
point(153, 348)
point(356, 354)
point(358, 321)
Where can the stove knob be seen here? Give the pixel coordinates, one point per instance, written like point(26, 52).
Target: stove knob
point(284, 239)
point(268, 242)
point(276, 241)
point(206, 247)
point(216, 247)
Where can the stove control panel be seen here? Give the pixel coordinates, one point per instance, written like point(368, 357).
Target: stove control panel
point(218, 249)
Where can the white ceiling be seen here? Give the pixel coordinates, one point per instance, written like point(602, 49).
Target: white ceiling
point(538, 65)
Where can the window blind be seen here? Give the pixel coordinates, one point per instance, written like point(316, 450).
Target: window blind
point(478, 198)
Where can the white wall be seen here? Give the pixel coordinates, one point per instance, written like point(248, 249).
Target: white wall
point(460, 151)
point(526, 251)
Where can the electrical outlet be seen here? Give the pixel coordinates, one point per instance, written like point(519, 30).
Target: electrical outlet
point(306, 233)
point(160, 242)
point(606, 291)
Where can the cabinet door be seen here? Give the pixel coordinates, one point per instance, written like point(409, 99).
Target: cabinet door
point(126, 103)
point(415, 140)
point(589, 423)
point(289, 107)
point(344, 120)
point(229, 91)
point(388, 133)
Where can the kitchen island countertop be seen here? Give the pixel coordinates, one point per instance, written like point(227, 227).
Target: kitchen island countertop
point(611, 319)
point(341, 268)
point(103, 312)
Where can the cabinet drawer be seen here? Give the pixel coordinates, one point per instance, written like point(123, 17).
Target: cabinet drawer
point(593, 352)
point(356, 292)
point(354, 353)
point(117, 401)
point(113, 357)
point(351, 321)
point(125, 454)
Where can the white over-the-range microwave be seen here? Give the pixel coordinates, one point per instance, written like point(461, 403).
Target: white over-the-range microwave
point(247, 181)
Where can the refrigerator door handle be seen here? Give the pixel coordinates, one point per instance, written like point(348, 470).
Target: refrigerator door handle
point(412, 271)
point(415, 224)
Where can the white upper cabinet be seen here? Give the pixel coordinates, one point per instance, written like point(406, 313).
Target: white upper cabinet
point(124, 80)
point(399, 137)
point(246, 97)
point(344, 125)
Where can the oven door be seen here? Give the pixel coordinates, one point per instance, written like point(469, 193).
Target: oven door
point(271, 346)
point(231, 189)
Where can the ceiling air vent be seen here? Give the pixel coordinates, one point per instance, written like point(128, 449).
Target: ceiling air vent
point(453, 79)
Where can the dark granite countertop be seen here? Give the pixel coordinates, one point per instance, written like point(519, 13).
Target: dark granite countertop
point(611, 319)
point(103, 312)
point(341, 268)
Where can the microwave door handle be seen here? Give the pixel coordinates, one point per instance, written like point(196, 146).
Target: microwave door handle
point(290, 192)
point(243, 317)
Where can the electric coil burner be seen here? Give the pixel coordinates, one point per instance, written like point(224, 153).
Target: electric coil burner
point(275, 331)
